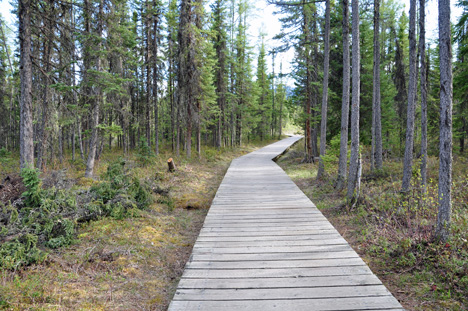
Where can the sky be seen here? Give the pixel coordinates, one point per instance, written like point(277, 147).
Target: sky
point(264, 20)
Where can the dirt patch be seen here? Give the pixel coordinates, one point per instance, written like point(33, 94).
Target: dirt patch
point(11, 189)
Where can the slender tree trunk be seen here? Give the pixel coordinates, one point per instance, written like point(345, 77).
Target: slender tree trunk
point(43, 134)
point(26, 119)
point(354, 163)
point(343, 161)
point(376, 157)
point(308, 88)
point(326, 65)
point(315, 78)
point(148, 75)
point(96, 101)
point(156, 34)
point(408, 160)
point(423, 85)
point(445, 147)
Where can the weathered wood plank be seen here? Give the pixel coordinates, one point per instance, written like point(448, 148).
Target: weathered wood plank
point(338, 241)
point(325, 304)
point(230, 238)
point(281, 293)
point(274, 273)
point(308, 263)
point(208, 256)
point(308, 282)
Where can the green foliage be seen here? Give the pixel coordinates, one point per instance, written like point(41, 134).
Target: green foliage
point(21, 251)
point(50, 217)
point(144, 154)
point(32, 182)
point(4, 153)
point(119, 193)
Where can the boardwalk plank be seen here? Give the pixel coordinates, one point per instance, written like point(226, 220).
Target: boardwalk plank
point(265, 246)
point(304, 282)
point(325, 304)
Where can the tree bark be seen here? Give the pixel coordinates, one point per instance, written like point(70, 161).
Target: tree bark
point(26, 119)
point(445, 147)
point(343, 161)
point(354, 163)
point(326, 65)
point(376, 156)
point(423, 85)
point(408, 159)
point(96, 101)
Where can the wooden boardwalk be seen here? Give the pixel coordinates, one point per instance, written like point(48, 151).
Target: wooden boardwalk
point(265, 246)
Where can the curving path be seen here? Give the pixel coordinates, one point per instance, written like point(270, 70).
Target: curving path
point(265, 246)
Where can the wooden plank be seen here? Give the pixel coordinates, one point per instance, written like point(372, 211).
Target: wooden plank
point(281, 293)
point(324, 304)
point(274, 273)
point(220, 228)
point(308, 263)
point(273, 249)
point(270, 243)
point(208, 256)
point(303, 282)
point(230, 238)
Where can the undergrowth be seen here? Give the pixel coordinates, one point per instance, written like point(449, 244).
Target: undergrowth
point(119, 261)
point(395, 232)
point(49, 218)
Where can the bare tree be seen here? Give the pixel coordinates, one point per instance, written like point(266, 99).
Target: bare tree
point(408, 159)
point(26, 122)
point(376, 156)
point(355, 162)
point(446, 93)
point(343, 162)
point(326, 65)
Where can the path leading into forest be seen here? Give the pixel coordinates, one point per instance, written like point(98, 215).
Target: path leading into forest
point(265, 246)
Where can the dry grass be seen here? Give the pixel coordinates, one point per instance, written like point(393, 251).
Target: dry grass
point(129, 264)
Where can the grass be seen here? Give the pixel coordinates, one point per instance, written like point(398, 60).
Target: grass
point(393, 233)
point(130, 263)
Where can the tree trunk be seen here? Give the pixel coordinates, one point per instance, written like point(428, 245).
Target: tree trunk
point(43, 134)
point(408, 160)
point(354, 163)
point(156, 42)
point(423, 83)
point(326, 65)
point(445, 147)
point(343, 161)
point(308, 88)
point(376, 156)
point(96, 101)
point(26, 119)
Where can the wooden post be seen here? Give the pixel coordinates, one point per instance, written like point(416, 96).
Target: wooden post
point(171, 165)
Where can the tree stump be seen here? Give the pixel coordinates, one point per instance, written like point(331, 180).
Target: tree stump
point(171, 165)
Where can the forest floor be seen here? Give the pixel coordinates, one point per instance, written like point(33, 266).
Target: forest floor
point(122, 264)
point(394, 234)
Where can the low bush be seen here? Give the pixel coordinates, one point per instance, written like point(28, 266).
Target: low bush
point(49, 218)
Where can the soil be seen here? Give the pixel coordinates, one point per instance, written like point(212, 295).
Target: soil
point(11, 189)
